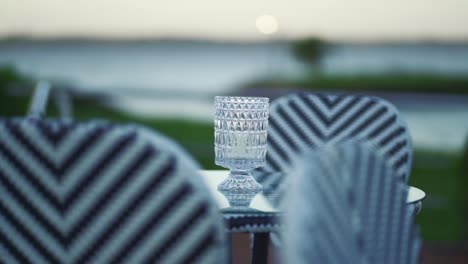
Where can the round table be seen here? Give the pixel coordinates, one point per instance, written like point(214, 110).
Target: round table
point(262, 217)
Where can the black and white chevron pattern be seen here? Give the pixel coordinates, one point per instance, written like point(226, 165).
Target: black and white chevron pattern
point(99, 193)
point(301, 121)
point(347, 206)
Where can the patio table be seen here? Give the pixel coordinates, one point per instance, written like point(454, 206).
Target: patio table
point(262, 218)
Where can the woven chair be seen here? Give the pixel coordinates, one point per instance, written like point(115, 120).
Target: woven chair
point(302, 121)
point(95, 192)
point(348, 206)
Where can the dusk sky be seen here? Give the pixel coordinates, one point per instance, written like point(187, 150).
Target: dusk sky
point(358, 20)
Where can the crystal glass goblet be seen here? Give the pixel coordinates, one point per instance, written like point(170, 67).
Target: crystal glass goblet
point(240, 141)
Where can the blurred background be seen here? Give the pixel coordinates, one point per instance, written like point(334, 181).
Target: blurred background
point(160, 63)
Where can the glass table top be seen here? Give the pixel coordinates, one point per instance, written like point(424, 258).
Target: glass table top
point(260, 203)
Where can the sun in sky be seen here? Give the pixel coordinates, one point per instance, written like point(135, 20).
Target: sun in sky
point(267, 24)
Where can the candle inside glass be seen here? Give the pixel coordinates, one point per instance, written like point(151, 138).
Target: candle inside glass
point(239, 148)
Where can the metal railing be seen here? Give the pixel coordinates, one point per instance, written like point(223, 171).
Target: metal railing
point(38, 106)
point(61, 97)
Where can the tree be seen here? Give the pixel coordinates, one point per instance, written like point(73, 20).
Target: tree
point(310, 51)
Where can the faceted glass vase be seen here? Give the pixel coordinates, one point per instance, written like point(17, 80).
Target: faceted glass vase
point(240, 141)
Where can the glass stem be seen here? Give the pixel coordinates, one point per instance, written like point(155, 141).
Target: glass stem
point(240, 173)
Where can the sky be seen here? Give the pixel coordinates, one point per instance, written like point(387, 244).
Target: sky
point(236, 19)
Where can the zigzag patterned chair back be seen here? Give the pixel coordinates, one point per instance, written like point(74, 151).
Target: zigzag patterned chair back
point(301, 121)
point(350, 207)
point(99, 193)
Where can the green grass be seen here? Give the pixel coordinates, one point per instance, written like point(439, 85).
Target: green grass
point(197, 138)
point(440, 175)
point(396, 82)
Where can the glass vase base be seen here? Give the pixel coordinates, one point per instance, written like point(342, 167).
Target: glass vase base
point(240, 188)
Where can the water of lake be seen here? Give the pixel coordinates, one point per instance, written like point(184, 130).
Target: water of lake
point(179, 79)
